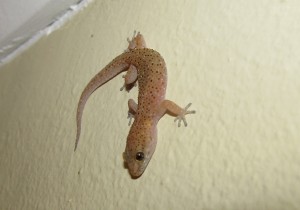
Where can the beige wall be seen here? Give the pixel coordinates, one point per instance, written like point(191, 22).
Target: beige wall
point(237, 61)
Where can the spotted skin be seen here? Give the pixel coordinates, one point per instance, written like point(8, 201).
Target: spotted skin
point(146, 67)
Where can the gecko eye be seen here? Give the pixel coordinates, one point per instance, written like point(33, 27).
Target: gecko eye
point(139, 156)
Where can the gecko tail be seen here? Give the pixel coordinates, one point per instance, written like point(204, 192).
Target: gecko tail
point(106, 74)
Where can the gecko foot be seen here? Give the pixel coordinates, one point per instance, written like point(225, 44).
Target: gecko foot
point(130, 117)
point(181, 117)
point(134, 35)
point(131, 42)
point(127, 87)
point(136, 42)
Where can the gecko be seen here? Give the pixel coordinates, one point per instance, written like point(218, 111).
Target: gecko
point(147, 68)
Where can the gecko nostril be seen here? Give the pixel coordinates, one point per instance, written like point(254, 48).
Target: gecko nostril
point(139, 156)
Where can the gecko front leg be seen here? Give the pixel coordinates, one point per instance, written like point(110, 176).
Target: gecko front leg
point(132, 109)
point(176, 111)
point(181, 117)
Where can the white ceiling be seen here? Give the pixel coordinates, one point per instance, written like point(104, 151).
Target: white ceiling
point(21, 20)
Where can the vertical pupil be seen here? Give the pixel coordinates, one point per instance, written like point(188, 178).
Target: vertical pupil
point(139, 156)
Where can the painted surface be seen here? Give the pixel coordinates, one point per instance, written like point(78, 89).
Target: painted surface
point(20, 21)
point(238, 62)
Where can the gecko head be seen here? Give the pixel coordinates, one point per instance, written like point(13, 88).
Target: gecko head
point(137, 41)
point(138, 153)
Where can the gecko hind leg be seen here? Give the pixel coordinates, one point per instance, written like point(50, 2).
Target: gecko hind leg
point(136, 42)
point(130, 78)
point(132, 109)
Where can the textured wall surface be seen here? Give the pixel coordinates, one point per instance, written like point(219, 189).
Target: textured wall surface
point(237, 61)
